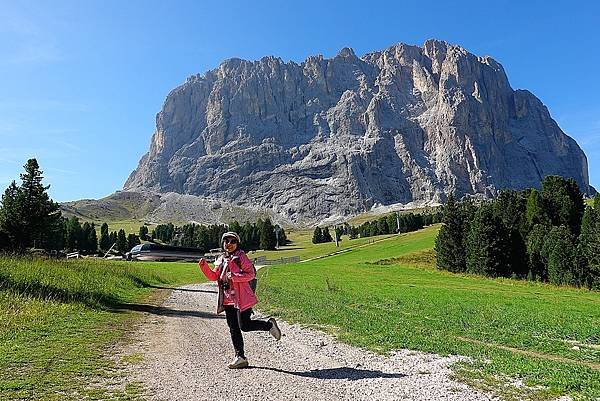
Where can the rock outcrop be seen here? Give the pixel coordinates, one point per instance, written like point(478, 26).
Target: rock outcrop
point(339, 136)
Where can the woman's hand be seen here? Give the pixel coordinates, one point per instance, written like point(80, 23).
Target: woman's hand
point(228, 275)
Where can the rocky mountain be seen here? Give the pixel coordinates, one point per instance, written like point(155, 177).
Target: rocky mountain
point(336, 137)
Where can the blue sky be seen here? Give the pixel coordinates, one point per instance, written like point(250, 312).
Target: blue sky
point(81, 81)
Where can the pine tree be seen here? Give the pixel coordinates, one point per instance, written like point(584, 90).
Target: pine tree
point(317, 236)
point(534, 210)
point(39, 211)
point(563, 202)
point(112, 239)
point(537, 263)
point(559, 251)
point(73, 234)
point(132, 240)
point(588, 249)
point(12, 217)
point(327, 235)
point(28, 216)
point(143, 233)
point(596, 202)
point(85, 234)
point(382, 226)
point(105, 242)
point(92, 240)
point(203, 239)
point(268, 240)
point(235, 227)
point(487, 245)
point(121, 241)
point(449, 244)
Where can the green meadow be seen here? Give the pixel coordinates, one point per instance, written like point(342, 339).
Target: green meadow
point(526, 340)
point(57, 319)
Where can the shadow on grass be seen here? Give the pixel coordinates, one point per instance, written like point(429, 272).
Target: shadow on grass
point(162, 311)
point(97, 299)
point(92, 299)
point(179, 289)
point(343, 373)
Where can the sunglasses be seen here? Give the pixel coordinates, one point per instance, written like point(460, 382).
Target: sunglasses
point(230, 241)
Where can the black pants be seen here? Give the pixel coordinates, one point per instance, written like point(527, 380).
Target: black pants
point(240, 321)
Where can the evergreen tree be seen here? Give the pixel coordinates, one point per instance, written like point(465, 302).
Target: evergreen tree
point(105, 242)
point(534, 211)
point(317, 236)
point(449, 244)
point(588, 249)
point(4, 241)
point(268, 240)
point(327, 235)
point(596, 202)
point(85, 234)
point(40, 213)
point(392, 224)
point(12, 217)
point(112, 239)
point(382, 226)
point(487, 244)
point(235, 227)
point(121, 241)
point(559, 251)
point(536, 261)
point(132, 240)
point(203, 239)
point(92, 240)
point(563, 202)
point(143, 233)
point(510, 206)
point(28, 216)
point(73, 234)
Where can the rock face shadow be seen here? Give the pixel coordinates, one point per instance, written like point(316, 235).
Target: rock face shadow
point(341, 373)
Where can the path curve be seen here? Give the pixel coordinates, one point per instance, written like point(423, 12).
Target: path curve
point(183, 348)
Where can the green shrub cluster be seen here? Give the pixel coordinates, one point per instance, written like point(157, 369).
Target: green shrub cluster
point(548, 235)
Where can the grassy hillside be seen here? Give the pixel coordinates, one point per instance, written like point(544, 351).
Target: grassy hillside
point(301, 245)
point(57, 317)
point(545, 336)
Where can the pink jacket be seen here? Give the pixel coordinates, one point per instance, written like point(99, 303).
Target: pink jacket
point(242, 271)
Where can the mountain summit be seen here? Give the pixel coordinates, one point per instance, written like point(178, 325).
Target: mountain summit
point(335, 137)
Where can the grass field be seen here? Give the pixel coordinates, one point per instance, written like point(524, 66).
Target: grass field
point(58, 317)
point(544, 337)
point(302, 246)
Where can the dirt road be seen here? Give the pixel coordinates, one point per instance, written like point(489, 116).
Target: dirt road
point(181, 350)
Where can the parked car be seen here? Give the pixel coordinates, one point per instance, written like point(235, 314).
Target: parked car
point(159, 252)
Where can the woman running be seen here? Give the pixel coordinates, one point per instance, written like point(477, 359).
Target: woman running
point(234, 273)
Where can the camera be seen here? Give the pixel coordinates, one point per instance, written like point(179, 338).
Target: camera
point(225, 285)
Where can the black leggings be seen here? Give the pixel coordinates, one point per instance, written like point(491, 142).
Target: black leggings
point(240, 321)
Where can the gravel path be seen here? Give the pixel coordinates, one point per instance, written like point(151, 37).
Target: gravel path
point(184, 348)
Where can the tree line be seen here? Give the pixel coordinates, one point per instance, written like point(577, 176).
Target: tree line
point(30, 219)
point(389, 224)
point(547, 235)
point(260, 235)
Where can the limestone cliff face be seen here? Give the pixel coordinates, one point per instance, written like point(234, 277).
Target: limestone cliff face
point(337, 136)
